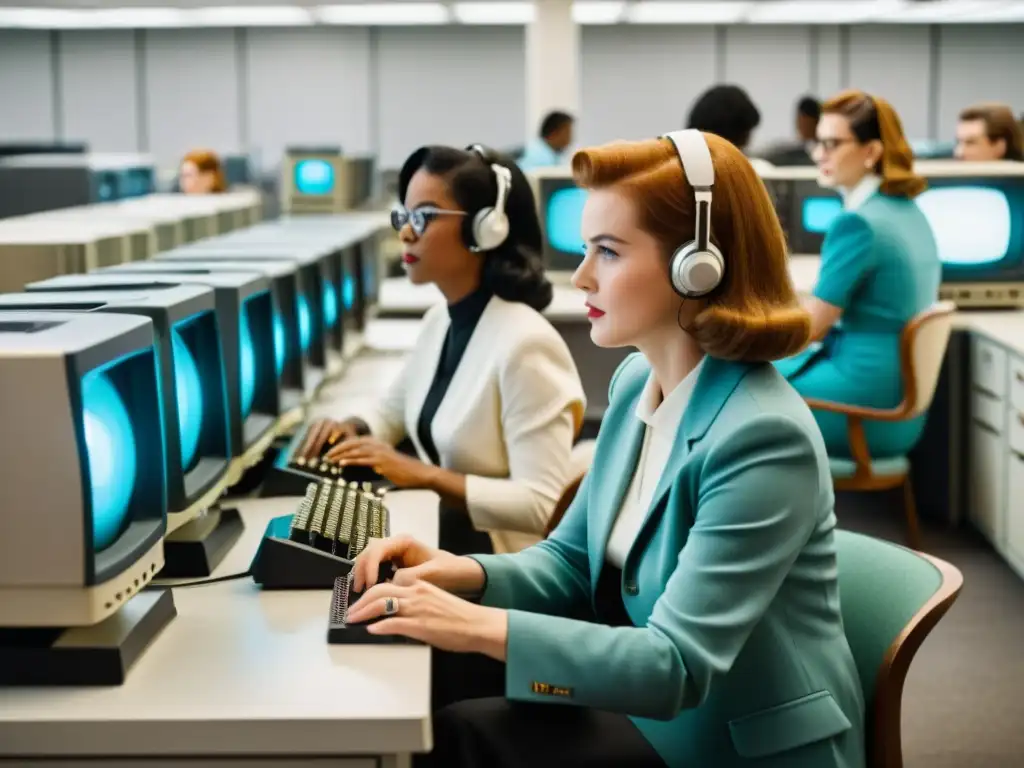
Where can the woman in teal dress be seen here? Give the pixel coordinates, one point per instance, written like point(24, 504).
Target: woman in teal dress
point(879, 268)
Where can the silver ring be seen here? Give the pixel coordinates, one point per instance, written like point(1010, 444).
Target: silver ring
point(390, 606)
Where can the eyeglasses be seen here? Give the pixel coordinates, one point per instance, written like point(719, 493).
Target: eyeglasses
point(418, 218)
point(830, 145)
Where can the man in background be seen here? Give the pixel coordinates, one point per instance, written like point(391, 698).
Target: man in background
point(548, 149)
point(798, 151)
point(726, 111)
point(988, 132)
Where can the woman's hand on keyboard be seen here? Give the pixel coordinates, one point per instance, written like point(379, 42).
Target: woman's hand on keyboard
point(416, 561)
point(326, 432)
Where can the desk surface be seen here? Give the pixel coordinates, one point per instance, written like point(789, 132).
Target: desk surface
point(244, 672)
point(399, 295)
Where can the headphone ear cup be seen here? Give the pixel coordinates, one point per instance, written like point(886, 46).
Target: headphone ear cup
point(696, 273)
point(490, 229)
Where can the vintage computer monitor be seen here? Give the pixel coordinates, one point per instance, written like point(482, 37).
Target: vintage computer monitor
point(142, 235)
point(35, 250)
point(292, 324)
point(83, 502)
point(245, 305)
point(560, 206)
point(194, 404)
point(323, 180)
point(976, 211)
point(33, 183)
point(318, 267)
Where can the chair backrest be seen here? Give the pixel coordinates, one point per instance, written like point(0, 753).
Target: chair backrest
point(579, 462)
point(891, 597)
point(924, 343)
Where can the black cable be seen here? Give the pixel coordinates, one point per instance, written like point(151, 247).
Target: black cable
point(201, 582)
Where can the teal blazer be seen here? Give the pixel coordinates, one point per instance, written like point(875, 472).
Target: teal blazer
point(881, 266)
point(737, 656)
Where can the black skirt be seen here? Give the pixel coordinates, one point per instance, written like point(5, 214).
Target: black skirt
point(476, 726)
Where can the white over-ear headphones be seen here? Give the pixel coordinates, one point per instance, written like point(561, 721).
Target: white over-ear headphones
point(697, 267)
point(490, 225)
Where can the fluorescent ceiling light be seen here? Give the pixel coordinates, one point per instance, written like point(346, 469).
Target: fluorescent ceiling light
point(722, 12)
point(493, 13)
point(940, 11)
point(250, 16)
point(1008, 12)
point(374, 14)
point(819, 11)
point(597, 12)
point(119, 18)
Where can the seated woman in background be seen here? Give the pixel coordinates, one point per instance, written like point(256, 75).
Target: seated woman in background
point(879, 267)
point(686, 608)
point(201, 173)
point(490, 397)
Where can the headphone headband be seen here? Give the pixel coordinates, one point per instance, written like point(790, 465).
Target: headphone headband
point(489, 227)
point(697, 266)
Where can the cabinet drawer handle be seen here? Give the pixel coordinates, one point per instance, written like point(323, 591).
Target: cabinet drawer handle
point(1020, 418)
point(987, 427)
point(1020, 376)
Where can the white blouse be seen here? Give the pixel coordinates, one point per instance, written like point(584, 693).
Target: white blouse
point(507, 421)
point(663, 418)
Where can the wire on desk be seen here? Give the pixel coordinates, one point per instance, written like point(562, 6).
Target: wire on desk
point(201, 582)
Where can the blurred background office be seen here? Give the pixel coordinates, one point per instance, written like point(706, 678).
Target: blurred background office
point(317, 104)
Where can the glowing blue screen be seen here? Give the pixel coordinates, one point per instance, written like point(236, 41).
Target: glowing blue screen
point(348, 292)
point(820, 212)
point(111, 456)
point(280, 343)
point(189, 394)
point(972, 225)
point(247, 354)
point(314, 177)
point(330, 304)
point(305, 323)
point(564, 215)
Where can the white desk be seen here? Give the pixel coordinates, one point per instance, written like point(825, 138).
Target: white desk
point(241, 673)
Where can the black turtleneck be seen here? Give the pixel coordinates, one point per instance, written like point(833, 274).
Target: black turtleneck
point(463, 315)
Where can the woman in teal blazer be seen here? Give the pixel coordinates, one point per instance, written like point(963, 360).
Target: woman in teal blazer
point(879, 267)
point(686, 608)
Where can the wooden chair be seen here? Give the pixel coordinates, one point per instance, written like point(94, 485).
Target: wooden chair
point(891, 598)
point(582, 457)
point(922, 348)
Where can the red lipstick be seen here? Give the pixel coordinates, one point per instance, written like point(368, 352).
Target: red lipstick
point(408, 258)
point(594, 312)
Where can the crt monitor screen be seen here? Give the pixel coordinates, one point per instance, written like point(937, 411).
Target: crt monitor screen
point(561, 211)
point(978, 223)
point(314, 176)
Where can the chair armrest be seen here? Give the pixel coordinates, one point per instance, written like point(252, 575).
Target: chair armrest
point(899, 413)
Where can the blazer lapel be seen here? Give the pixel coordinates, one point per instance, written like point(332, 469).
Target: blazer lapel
point(427, 356)
point(716, 382)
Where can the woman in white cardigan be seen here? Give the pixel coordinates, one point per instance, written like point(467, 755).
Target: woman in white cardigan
point(490, 397)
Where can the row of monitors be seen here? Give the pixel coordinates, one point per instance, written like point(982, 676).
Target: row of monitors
point(84, 238)
point(976, 211)
point(145, 382)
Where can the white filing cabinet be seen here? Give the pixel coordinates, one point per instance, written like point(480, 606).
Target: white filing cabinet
point(996, 434)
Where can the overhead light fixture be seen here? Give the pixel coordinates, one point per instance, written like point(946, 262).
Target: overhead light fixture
point(598, 12)
point(819, 11)
point(943, 11)
point(99, 18)
point(250, 16)
point(648, 12)
point(493, 13)
point(380, 14)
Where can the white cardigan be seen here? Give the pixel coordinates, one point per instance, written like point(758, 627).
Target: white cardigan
point(507, 421)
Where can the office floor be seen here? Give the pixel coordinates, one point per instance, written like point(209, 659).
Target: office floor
point(963, 698)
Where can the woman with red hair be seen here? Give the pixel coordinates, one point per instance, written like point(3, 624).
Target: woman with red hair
point(201, 173)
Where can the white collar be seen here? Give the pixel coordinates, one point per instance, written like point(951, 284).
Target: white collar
point(669, 412)
point(856, 197)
